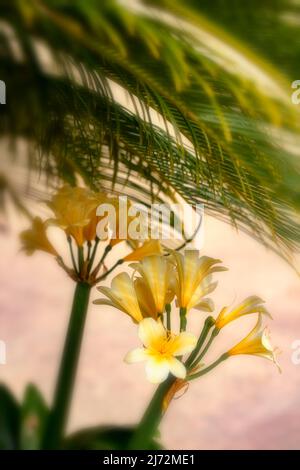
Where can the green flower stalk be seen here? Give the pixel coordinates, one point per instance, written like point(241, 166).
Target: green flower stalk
point(67, 372)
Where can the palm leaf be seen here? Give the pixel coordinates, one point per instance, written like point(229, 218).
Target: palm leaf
point(197, 122)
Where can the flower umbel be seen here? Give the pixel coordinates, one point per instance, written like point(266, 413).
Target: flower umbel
point(160, 351)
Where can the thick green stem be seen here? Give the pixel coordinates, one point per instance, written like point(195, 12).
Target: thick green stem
point(147, 428)
point(66, 377)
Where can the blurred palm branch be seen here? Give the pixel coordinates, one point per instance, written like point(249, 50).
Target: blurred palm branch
point(160, 98)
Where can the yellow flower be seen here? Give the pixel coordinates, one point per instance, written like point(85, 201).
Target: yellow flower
point(252, 304)
point(90, 230)
point(160, 351)
point(193, 277)
point(122, 296)
point(36, 238)
point(73, 209)
point(256, 343)
point(148, 248)
point(153, 288)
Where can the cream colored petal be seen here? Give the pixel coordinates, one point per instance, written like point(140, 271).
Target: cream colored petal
point(151, 332)
point(136, 355)
point(177, 368)
point(157, 370)
point(206, 305)
point(184, 343)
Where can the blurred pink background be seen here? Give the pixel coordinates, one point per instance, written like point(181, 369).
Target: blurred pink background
point(243, 404)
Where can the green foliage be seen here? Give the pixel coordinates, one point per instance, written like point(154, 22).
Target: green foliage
point(206, 116)
point(33, 417)
point(103, 438)
point(9, 420)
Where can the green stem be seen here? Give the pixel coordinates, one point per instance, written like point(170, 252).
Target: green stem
point(214, 333)
point(146, 429)
point(92, 258)
point(209, 368)
point(104, 275)
point(89, 244)
point(168, 312)
point(66, 377)
point(72, 253)
point(107, 249)
point(209, 322)
point(80, 259)
point(182, 313)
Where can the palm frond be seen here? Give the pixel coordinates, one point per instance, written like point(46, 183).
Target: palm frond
point(196, 122)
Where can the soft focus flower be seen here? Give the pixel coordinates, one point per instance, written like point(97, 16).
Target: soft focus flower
point(154, 287)
point(122, 296)
point(252, 304)
point(148, 248)
point(73, 209)
point(160, 351)
point(256, 343)
point(193, 277)
point(36, 238)
point(90, 230)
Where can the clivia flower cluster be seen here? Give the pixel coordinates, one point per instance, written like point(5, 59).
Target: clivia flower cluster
point(74, 210)
point(166, 347)
point(158, 294)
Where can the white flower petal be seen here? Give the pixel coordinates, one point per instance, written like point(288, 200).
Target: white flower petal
point(177, 368)
point(150, 331)
point(157, 370)
point(136, 355)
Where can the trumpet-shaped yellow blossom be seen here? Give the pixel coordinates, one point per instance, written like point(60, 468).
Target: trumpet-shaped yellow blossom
point(252, 304)
point(193, 277)
point(160, 351)
point(36, 238)
point(122, 296)
point(256, 343)
point(73, 209)
point(154, 288)
point(148, 248)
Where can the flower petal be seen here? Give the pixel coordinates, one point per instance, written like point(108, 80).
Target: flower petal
point(184, 343)
point(136, 355)
point(157, 370)
point(177, 368)
point(151, 332)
